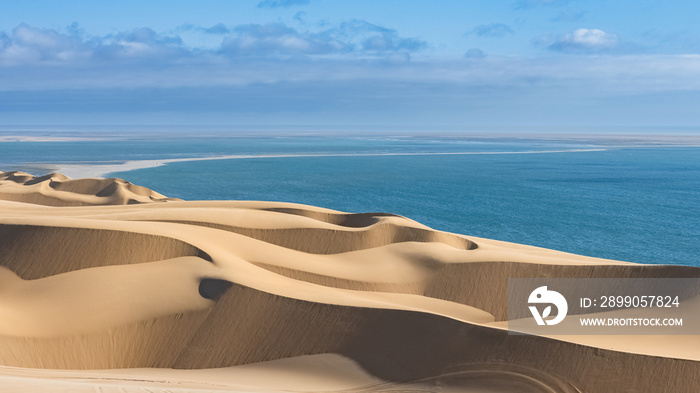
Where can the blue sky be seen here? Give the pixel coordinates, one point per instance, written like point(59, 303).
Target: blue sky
point(371, 63)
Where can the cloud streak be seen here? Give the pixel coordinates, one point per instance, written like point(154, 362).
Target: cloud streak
point(216, 29)
point(474, 53)
point(276, 39)
point(34, 58)
point(568, 16)
point(33, 46)
point(528, 4)
point(272, 4)
point(345, 72)
point(27, 45)
point(493, 30)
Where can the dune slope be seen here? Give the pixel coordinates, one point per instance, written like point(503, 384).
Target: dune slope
point(127, 282)
point(56, 189)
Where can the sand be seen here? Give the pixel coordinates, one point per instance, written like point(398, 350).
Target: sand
point(108, 286)
point(95, 170)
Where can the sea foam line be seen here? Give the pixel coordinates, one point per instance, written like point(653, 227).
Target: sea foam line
point(100, 170)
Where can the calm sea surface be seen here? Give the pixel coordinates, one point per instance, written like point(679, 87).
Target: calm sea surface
point(632, 203)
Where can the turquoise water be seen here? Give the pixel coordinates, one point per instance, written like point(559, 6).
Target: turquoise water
point(638, 204)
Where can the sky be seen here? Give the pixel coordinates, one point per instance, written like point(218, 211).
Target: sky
point(469, 63)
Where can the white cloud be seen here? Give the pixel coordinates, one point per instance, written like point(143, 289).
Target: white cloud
point(27, 45)
point(363, 57)
point(585, 40)
point(33, 46)
point(277, 39)
point(353, 38)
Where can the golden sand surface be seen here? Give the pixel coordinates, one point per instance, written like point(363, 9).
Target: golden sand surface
point(108, 286)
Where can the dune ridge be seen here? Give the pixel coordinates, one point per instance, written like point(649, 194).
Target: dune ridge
point(56, 189)
point(126, 281)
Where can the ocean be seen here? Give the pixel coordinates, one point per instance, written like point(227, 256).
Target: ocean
point(618, 198)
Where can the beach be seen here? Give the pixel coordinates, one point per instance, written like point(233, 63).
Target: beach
point(109, 285)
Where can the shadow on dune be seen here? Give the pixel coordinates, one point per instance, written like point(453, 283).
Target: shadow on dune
point(41, 251)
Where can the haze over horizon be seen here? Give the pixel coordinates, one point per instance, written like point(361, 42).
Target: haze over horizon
point(449, 63)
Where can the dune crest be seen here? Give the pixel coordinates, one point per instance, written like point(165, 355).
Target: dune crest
point(382, 300)
point(56, 189)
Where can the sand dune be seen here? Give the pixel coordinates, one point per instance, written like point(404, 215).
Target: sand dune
point(261, 296)
point(58, 190)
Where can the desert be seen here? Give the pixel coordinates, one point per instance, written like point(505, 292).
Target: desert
point(108, 285)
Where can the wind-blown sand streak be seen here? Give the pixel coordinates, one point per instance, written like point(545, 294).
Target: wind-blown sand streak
point(99, 170)
point(147, 293)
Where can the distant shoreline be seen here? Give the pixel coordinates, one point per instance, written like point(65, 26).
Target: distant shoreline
point(100, 170)
point(563, 143)
point(604, 135)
